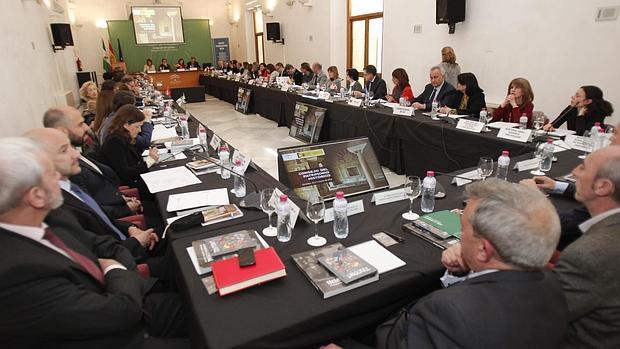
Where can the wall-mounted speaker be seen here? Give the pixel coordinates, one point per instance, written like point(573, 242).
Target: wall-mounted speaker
point(273, 31)
point(61, 34)
point(450, 11)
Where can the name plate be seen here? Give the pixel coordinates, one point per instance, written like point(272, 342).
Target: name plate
point(386, 197)
point(578, 142)
point(466, 178)
point(470, 125)
point(180, 69)
point(245, 160)
point(164, 71)
point(251, 82)
point(282, 80)
point(275, 198)
point(285, 87)
point(193, 69)
point(527, 165)
point(150, 71)
point(405, 111)
point(324, 95)
point(353, 208)
point(355, 102)
point(215, 142)
point(515, 134)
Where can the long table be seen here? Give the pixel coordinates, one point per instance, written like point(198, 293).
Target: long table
point(406, 145)
point(176, 79)
point(289, 312)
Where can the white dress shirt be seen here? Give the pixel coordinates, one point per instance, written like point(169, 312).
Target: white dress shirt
point(585, 226)
point(448, 279)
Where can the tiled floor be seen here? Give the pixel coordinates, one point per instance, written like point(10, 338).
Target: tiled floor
point(253, 135)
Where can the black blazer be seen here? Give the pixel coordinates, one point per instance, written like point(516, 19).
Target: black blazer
point(89, 220)
point(571, 219)
point(378, 88)
point(475, 103)
point(504, 309)
point(49, 301)
point(124, 158)
point(103, 188)
point(298, 77)
point(425, 97)
point(579, 124)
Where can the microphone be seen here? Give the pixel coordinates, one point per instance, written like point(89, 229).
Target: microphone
point(251, 200)
point(173, 155)
point(456, 176)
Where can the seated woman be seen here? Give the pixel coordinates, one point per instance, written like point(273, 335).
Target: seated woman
point(586, 108)
point(262, 71)
point(119, 151)
point(333, 80)
point(104, 103)
point(272, 71)
point(89, 93)
point(467, 99)
point(164, 65)
point(148, 66)
point(402, 88)
point(518, 102)
point(353, 83)
point(180, 64)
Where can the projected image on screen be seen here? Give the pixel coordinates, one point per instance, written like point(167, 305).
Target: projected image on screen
point(349, 166)
point(157, 25)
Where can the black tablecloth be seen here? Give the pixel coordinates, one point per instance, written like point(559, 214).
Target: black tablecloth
point(406, 145)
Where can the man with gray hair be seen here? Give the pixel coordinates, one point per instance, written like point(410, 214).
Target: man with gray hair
point(319, 78)
point(509, 232)
point(435, 91)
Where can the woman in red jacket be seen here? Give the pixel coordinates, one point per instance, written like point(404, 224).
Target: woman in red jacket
point(518, 102)
point(402, 88)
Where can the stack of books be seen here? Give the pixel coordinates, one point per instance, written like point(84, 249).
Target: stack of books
point(224, 247)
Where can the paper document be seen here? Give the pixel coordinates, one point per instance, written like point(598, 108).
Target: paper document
point(502, 124)
point(161, 132)
point(167, 156)
point(377, 256)
point(160, 151)
point(184, 201)
point(560, 132)
point(466, 178)
point(171, 178)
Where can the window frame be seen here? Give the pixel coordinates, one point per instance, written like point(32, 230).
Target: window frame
point(366, 18)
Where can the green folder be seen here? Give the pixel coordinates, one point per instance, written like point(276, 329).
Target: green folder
point(448, 221)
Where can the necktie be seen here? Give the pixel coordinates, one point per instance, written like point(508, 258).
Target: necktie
point(78, 258)
point(90, 202)
point(433, 95)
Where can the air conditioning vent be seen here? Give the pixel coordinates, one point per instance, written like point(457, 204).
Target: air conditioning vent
point(607, 13)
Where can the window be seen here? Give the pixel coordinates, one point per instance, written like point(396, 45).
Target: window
point(365, 33)
point(258, 36)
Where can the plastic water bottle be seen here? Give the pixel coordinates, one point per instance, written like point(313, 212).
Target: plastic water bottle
point(402, 102)
point(595, 128)
point(239, 182)
point(283, 210)
point(428, 192)
point(224, 155)
point(366, 97)
point(547, 156)
point(184, 127)
point(341, 221)
point(202, 135)
point(434, 107)
point(503, 164)
point(600, 141)
point(523, 121)
point(483, 116)
point(343, 92)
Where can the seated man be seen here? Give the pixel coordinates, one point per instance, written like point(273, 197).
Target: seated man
point(193, 63)
point(374, 84)
point(588, 269)
point(306, 72)
point(56, 291)
point(294, 74)
point(509, 232)
point(435, 91)
point(319, 78)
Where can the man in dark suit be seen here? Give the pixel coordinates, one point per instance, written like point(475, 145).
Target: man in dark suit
point(588, 269)
point(374, 84)
point(306, 72)
point(294, 74)
point(435, 91)
point(58, 290)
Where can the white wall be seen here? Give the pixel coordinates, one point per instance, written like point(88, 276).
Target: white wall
point(34, 77)
point(555, 44)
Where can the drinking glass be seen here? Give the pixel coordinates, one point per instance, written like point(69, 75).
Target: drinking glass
point(537, 121)
point(315, 209)
point(485, 167)
point(586, 134)
point(413, 188)
point(269, 208)
point(538, 149)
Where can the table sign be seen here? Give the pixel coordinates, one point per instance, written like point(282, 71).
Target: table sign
point(281, 80)
point(466, 178)
point(164, 71)
point(324, 95)
point(193, 69)
point(527, 165)
point(578, 142)
point(245, 160)
point(388, 196)
point(285, 87)
point(151, 72)
point(515, 134)
point(405, 111)
point(353, 208)
point(215, 142)
point(470, 125)
point(355, 102)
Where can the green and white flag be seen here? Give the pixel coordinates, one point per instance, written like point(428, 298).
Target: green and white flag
point(106, 60)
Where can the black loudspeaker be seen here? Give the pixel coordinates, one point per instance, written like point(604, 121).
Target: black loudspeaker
point(450, 11)
point(61, 33)
point(273, 31)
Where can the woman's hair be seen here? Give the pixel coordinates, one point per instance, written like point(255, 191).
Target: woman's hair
point(104, 103)
point(403, 81)
point(333, 69)
point(450, 55)
point(148, 60)
point(263, 65)
point(599, 106)
point(526, 88)
point(306, 66)
point(84, 89)
point(271, 67)
point(127, 114)
point(470, 82)
point(181, 60)
point(121, 98)
point(353, 74)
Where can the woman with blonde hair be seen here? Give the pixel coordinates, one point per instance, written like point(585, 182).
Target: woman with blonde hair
point(333, 82)
point(449, 65)
point(89, 93)
point(518, 102)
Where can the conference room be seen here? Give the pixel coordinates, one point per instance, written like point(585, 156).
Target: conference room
point(310, 174)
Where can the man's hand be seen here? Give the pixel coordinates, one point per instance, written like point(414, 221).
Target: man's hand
point(452, 259)
point(357, 94)
point(135, 206)
point(147, 238)
point(418, 105)
point(544, 183)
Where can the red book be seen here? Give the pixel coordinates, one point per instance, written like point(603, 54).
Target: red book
point(230, 277)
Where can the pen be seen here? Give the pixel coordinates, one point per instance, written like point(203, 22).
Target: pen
point(395, 237)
